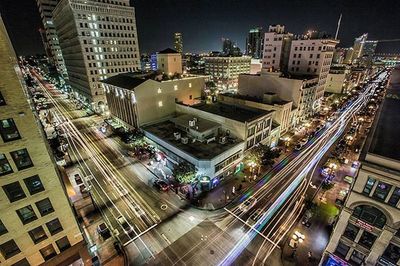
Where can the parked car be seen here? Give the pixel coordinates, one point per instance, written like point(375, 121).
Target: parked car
point(161, 185)
point(247, 204)
point(125, 225)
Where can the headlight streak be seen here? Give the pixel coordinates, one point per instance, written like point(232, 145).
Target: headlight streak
point(340, 123)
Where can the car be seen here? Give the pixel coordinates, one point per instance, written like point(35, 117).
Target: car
point(161, 185)
point(247, 204)
point(254, 217)
point(298, 147)
point(103, 230)
point(128, 229)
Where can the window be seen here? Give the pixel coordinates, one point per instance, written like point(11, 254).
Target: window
point(357, 257)
point(370, 215)
point(5, 167)
point(23, 262)
point(37, 234)
point(26, 214)
point(351, 231)
point(160, 104)
point(34, 184)
point(3, 229)
point(394, 199)
point(8, 130)
point(54, 226)
point(2, 101)
point(21, 159)
point(342, 249)
point(48, 252)
point(392, 253)
point(14, 191)
point(9, 249)
point(381, 191)
point(63, 244)
point(44, 207)
point(367, 239)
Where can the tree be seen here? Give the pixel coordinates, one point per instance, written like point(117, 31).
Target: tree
point(263, 155)
point(184, 172)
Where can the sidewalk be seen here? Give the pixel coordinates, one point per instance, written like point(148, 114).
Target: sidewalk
point(318, 233)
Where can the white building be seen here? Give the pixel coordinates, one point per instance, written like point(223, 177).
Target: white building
point(277, 44)
point(367, 231)
point(50, 39)
point(98, 39)
point(338, 80)
point(300, 90)
point(169, 61)
point(225, 70)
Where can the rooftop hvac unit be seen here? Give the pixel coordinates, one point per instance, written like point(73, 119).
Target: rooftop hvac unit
point(177, 135)
point(192, 123)
point(222, 140)
point(185, 140)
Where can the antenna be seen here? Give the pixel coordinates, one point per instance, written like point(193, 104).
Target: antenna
point(338, 26)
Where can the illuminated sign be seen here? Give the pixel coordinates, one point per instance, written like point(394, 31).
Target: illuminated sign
point(364, 225)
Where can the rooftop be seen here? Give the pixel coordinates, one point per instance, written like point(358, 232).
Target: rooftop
point(203, 151)
point(168, 51)
point(275, 100)
point(241, 114)
point(202, 125)
point(385, 135)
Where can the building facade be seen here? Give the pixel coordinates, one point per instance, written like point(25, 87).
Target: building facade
point(169, 61)
point(276, 51)
point(98, 39)
point(140, 99)
point(49, 35)
point(300, 90)
point(37, 225)
point(178, 42)
point(338, 80)
point(358, 48)
point(254, 43)
point(368, 228)
point(368, 53)
point(225, 70)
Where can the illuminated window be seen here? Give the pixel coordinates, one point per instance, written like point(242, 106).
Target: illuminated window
point(160, 104)
point(190, 85)
point(159, 90)
point(175, 87)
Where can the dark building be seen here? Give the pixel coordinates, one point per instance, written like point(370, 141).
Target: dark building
point(254, 43)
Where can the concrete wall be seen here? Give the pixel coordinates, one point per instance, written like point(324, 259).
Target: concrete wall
point(170, 63)
point(335, 83)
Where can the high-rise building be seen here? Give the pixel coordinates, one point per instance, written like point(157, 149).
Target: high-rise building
point(254, 43)
point(230, 48)
point(368, 53)
point(358, 47)
point(225, 70)
point(37, 224)
point(98, 39)
point(367, 231)
point(178, 42)
point(49, 35)
point(276, 51)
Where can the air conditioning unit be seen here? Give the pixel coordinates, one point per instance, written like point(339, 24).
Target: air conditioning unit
point(177, 135)
point(185, 140)
point(222, 140)
point(192, 123)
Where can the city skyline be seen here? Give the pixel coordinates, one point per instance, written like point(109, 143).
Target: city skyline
point(228, 19)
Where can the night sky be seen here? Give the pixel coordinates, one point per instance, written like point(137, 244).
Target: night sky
point(204, 22)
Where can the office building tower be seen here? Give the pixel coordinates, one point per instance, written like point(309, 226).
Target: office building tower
point(254, 43)
point(178, 42)
point(368, 53)
point(276, 48)
point(230, 48)
point(358, 47)
point(49, 35)
point(37, 225)
point(367, 231)
point(98, 39)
